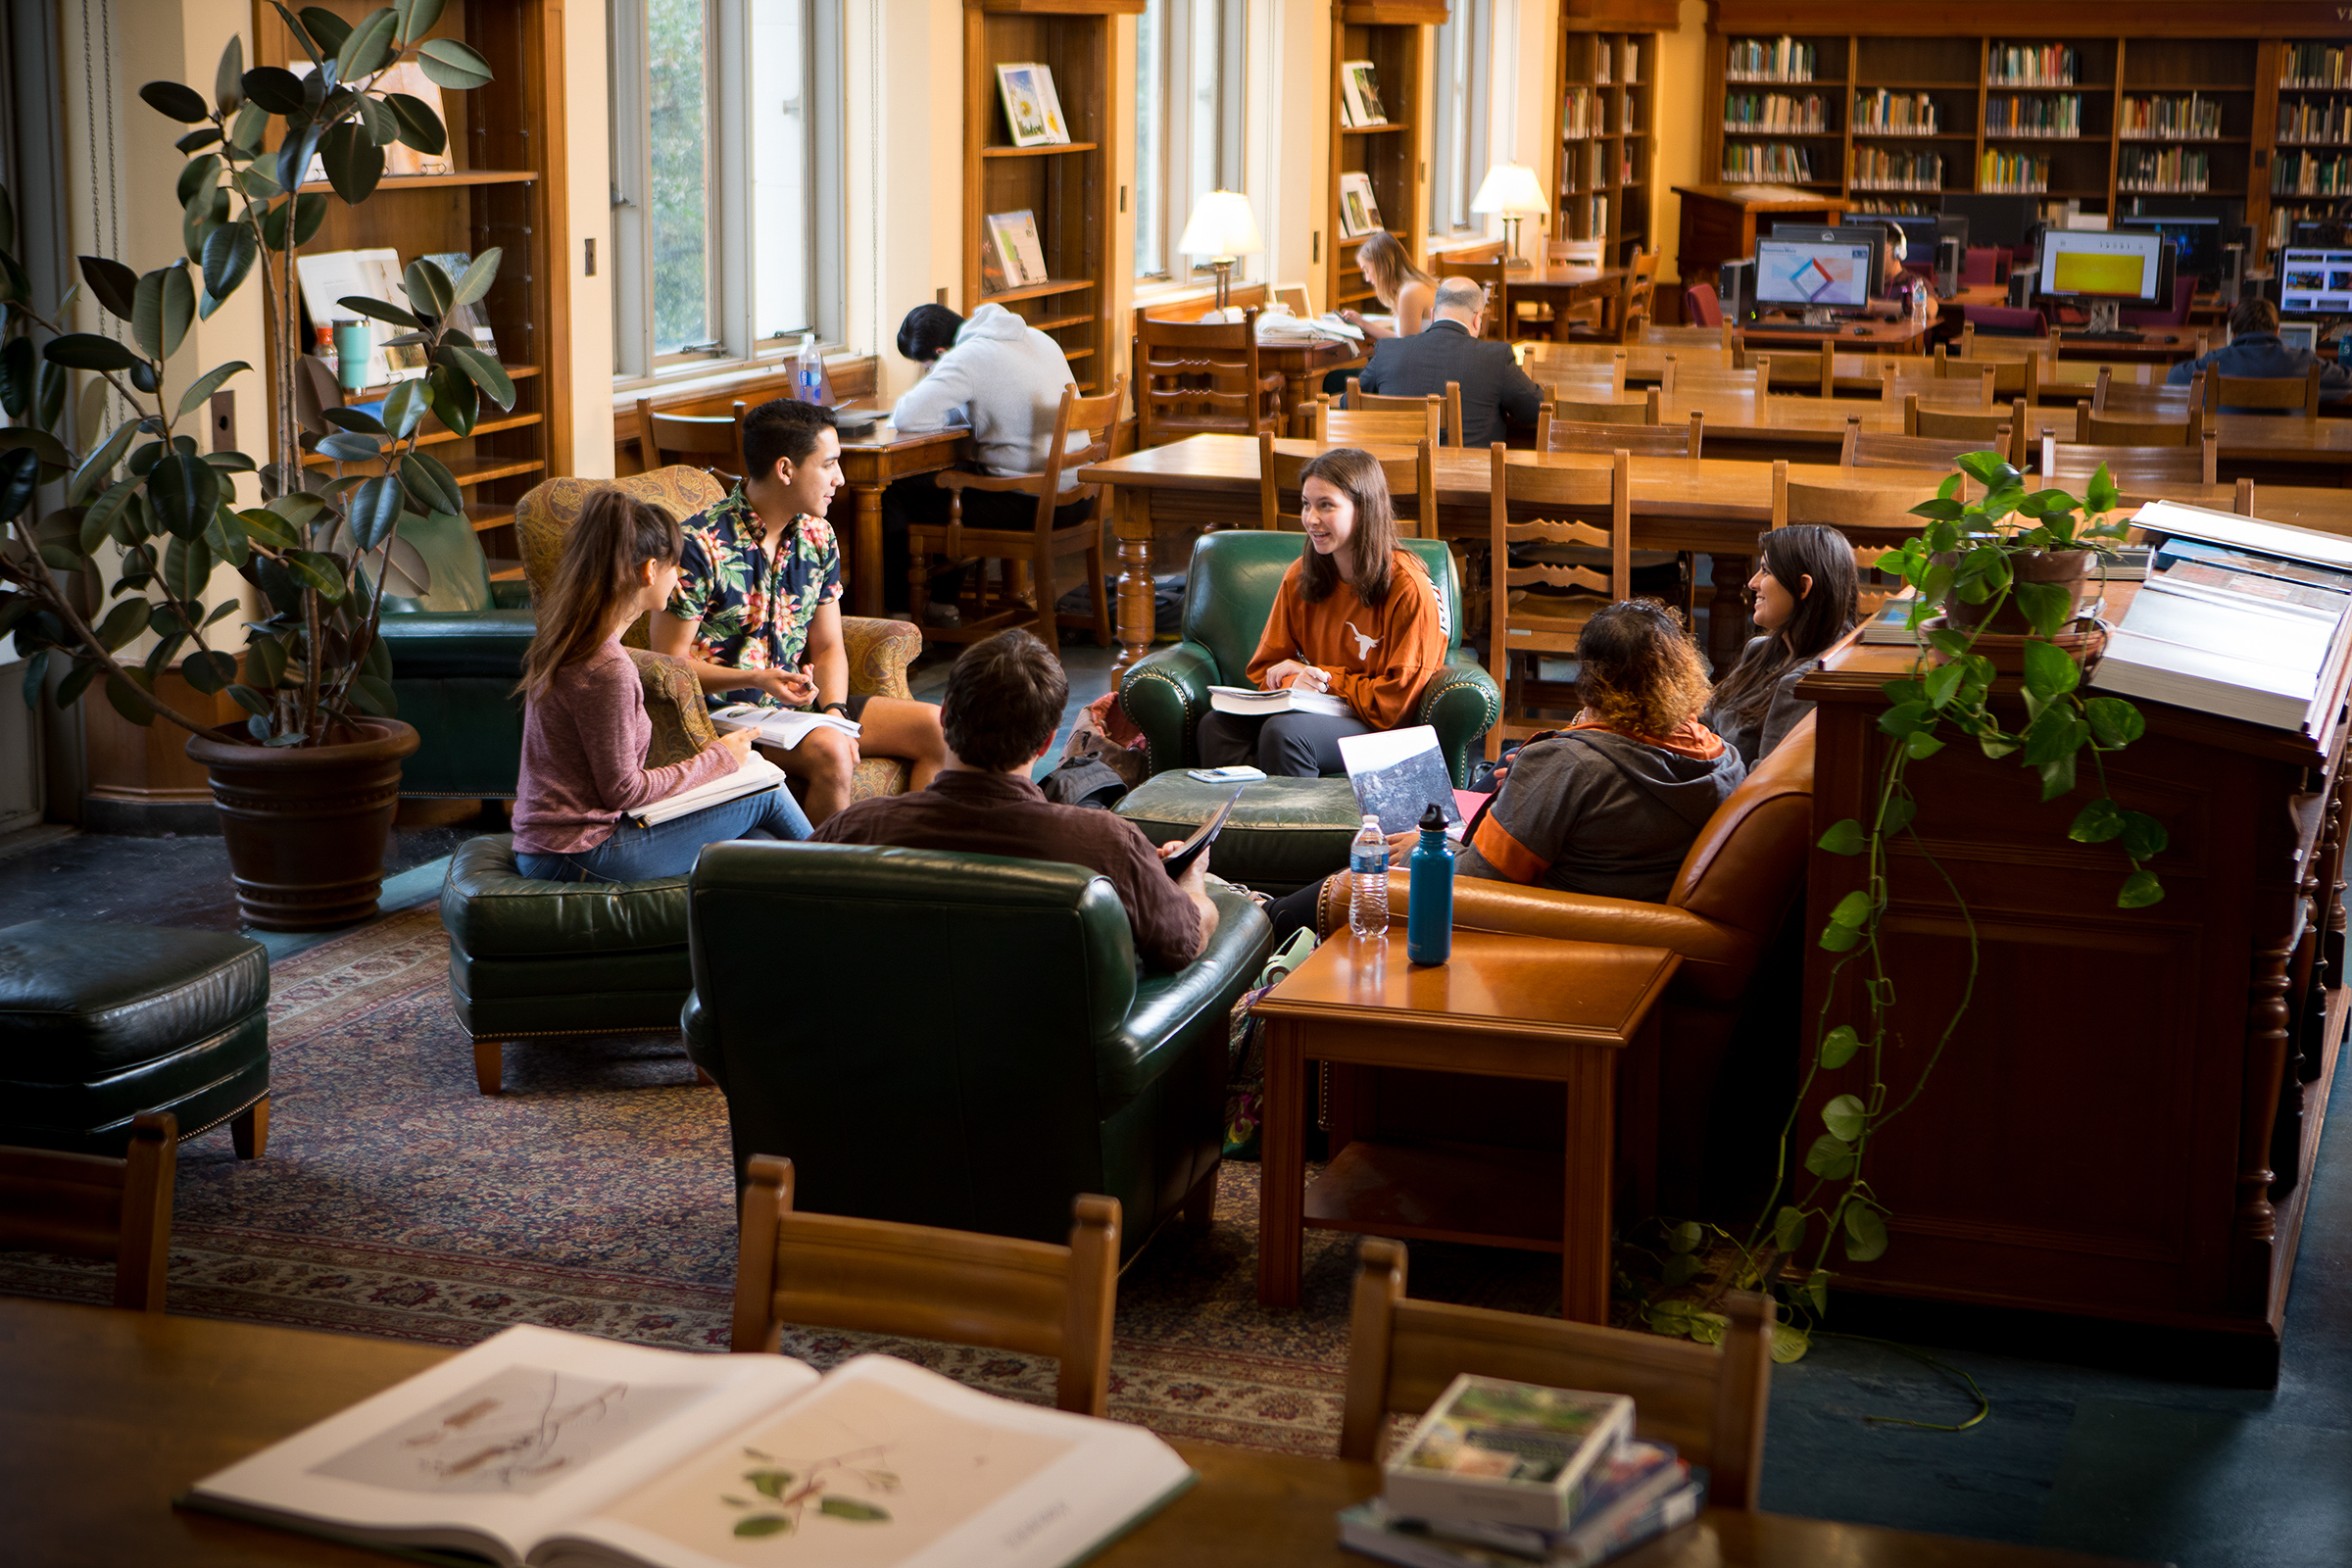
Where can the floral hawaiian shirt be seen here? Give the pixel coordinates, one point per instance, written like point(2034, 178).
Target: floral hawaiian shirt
point(753, 612)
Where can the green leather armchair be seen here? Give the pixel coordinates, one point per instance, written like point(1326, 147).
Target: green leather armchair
point(456, 653)
point(1228, 594)
point(959, 1039)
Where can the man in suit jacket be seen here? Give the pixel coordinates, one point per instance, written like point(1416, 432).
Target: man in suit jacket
point(1449, 349)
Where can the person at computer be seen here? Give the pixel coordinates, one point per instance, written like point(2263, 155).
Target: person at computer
point(1803, 597)
point(757, 610)
point(1404, 290)
point(1494, 390)
point(1001, 377)
point(1003, 703)
point(1355, 618)
point(2254, 350)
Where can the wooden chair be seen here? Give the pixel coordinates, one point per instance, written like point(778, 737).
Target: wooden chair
point(2236, 392)
point(1633, 304)
point(1413, 484)
point(1852, 510)
point(2110, 395)
point(2141, 472)
point(1522, 624)
point(712, 442)
point(1868, 449)
point(2019, 378)
point(1904, 378)
point(828, 1271)
point(1643, 441)
point(2006, 425)
point(1707, 1400)
point(88, 1205)
point(1591, 383)
point(1702, 382)
point(1725, 338)
point(1194, 379)
point(1449, 402)
point(2104, 430)
point(1416, 419)
point(1783, 371)
point(1038, 545)
point(1575, 411)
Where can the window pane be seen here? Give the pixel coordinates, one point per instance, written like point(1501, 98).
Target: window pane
point(779, 115)
point(679, 203)
point(1150, 143)
point(1202, 164)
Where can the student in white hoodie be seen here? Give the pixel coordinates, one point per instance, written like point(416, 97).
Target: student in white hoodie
point(1003, 378)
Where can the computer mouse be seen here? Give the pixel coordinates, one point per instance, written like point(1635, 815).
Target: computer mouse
point(2172, 340)
point(1861, 332)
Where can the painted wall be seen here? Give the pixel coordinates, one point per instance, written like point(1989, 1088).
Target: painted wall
point(1681, 77)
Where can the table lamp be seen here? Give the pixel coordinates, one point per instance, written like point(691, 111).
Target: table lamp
point(1512, 190)
point(1223, 228)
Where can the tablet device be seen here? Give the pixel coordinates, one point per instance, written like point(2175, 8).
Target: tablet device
point(1203, 836)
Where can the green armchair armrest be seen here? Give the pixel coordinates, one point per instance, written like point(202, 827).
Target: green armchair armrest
point(1461, 702)
point(1164, 695)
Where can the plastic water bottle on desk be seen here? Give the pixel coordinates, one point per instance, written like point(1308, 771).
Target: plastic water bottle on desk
point(1368, 881)
point(1429, 913)
point(809, 374)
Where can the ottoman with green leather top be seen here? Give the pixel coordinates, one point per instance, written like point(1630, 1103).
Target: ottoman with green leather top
point(1283, 834)
point(102, 1023)
point(531, 959)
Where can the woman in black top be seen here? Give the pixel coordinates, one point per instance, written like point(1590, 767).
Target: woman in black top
point(1803, 598)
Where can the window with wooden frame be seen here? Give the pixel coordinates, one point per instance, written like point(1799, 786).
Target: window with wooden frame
point(1462, 68)
point(1189, 76)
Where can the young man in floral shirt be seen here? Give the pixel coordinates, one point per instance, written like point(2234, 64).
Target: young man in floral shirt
point(757, 607)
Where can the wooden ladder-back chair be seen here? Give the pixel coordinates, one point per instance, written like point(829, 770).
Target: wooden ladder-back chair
point(1583, 383)
point(1201, 377)
point(1643, 441)
point(1868, 449)
point(1709, 1402)
point(1412, 484)
point(2140, 474)
point(1901, 379)
point(2019, 378)
point(1800, 374)
point(925, 1282)
point(2112, 430)
point(1704, 382)
point(1525, 625)
point(2297, 393)
point(2110, 395)
point(88, 1205)
point(1723, 339)
point(1414, 419)
point(1635, 293)
point(1449, 402)
point(1616, 411)
point(2005, 426)
point(1038, 544)
point(1852, 510)
point(2000, 346)
point(709, 441)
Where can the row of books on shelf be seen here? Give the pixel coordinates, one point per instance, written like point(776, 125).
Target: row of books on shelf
point(1774, 113)
point(2048, 64)
point(327, 279)
point(1885, 169)
point(1776, 162)
point(1581, 115)
point(1596, 216)
point(2043, 115)
point(2172, 170)
point(1629, 56)
point(1885, 112)
point(1781, 59)
point(2195, 117)
point(1359, 95)
point(1500, 1473)
point(2300, 173)
point(2313, 65)
point(2315, 120)
point(2015, 173)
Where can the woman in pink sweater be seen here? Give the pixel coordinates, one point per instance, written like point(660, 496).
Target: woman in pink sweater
point(584, 729)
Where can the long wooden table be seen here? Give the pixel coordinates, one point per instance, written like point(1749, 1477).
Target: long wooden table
point(105, 1416)
point(1712, 506)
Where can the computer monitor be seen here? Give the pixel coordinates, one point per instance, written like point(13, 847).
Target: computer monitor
point(1872, 234)
point(1995, 220)
point(1953, 226)
point(2304, 335)
point(2315, 283)
point(2197, 243)
point(1835, 274)
point(2089, 265)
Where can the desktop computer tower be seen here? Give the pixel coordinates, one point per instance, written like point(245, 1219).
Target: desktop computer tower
point(1947, 266)
point(2233, 274)
point(2021, 289)
point(1736, 287)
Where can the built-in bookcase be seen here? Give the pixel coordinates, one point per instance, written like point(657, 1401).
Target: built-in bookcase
point(1394, 35)
point(1603, 185)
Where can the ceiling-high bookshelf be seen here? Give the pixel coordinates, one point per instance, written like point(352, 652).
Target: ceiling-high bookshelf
point(1605, 127)
point(1393, 36)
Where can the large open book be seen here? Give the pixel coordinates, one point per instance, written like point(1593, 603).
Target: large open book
point(550, 1448)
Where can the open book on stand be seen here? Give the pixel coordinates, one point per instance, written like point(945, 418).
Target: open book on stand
point(560, 1451)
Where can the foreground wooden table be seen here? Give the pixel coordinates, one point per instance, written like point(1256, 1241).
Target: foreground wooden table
point(105, 1416)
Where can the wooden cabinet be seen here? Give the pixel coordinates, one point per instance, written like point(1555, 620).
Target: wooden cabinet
point(1065, 187)
point(1393, 36)
point(2123, 1124)
point(1605, 127)
point(506, 190)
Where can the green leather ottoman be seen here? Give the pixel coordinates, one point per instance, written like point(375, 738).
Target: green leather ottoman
point(1284, 832)
point(532, 959)
point(100, 1022)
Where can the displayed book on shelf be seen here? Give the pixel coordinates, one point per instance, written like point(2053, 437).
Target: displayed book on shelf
point(1032, 109)
point(1359, 94)
point(329, 277)
point(400, 159)
point(2046, 65)
point(1781, 59)
point(453, 265)
point(1359, 209)
point(2058, 116)
point(1883, 113)
point(540, 1447)
point(2195, 118)
point(1020, 256)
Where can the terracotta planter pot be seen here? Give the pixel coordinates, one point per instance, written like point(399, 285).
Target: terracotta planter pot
point(2007, 651)
point(306, 825)
point(2062, 568)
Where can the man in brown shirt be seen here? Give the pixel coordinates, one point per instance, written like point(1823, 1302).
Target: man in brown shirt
point(1004, 703)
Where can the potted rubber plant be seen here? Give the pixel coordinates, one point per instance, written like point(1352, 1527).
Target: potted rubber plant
point(307, 784)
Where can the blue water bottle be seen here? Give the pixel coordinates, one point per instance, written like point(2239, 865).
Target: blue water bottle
point(1429, 918)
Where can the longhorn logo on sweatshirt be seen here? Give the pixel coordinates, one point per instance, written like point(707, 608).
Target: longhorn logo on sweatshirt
point(1364, 643)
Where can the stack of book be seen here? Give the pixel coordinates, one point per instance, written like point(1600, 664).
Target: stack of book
point(1501, 1474)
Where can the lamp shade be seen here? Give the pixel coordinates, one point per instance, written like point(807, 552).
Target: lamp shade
point(1512, 190)
point(1221, 224)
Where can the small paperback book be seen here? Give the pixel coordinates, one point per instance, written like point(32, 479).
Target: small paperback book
point(1666, 1496)
point(781, 728)
point(1399, 774)
point(1495, 1451)
point(1018, 247)
point(560, 1451)
point(1247, 701)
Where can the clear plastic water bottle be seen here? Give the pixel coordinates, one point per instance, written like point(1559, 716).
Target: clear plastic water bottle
point(1368, 880)
point(809, 372)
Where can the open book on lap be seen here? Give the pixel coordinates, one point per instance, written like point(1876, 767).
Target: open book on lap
point(1247, 702)
point(757, 774)
point(780, 728)
point(556, 1449)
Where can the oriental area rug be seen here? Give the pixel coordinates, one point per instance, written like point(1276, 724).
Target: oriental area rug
point(595, 1195)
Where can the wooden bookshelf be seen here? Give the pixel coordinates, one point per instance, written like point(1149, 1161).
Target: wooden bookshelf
point(1605, 124)
point(2147, 102)
point(1068, 186)
point(506, 190)
point(1393, 35)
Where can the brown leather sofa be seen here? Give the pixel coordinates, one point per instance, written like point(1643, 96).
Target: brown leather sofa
point(1727, 912)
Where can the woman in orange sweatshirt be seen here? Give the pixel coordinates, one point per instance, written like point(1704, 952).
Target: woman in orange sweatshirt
point(1355, 618)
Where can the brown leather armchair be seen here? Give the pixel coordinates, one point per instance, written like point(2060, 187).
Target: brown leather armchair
point(1730, 900)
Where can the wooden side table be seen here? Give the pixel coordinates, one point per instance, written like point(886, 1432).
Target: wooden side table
point(1506, 1006)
